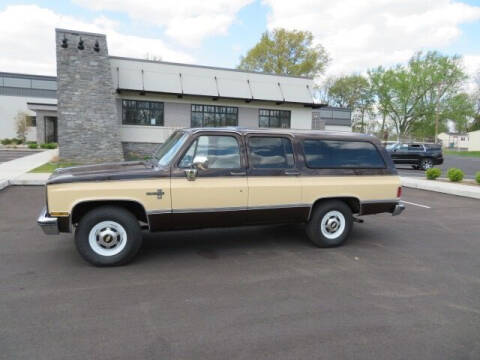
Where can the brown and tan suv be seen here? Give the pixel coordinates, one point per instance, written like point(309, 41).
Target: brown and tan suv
point(223, 177)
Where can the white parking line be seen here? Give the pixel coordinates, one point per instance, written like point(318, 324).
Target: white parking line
point(419, 205)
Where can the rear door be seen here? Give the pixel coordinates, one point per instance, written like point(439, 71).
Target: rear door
point(415, 152)
point(274, 191)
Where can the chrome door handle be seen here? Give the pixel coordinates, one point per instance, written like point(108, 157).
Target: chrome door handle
point(238, 173)
point(292, 172)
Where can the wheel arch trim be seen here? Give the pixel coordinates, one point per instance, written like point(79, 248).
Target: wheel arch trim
point(337, 197)
point(112, 202)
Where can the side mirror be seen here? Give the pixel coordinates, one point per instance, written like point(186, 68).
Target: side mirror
point(200, 162)
point(191, 174)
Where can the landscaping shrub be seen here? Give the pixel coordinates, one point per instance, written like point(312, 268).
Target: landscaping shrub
point(477, 177)
point(49, 146)
point(455, 174)
point(30, 142)
point(433, 173)
point(6, 141)
point(33, 146)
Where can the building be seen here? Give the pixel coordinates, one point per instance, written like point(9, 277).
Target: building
point(474, 140)
point(110, 108)
point(457, 141)
point(16, 92)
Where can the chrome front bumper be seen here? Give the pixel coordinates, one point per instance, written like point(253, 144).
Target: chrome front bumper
point(398, 209)
point(48, 224)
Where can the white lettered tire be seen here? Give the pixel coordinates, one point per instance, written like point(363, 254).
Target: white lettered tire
point(330, 223)
point(108, 236)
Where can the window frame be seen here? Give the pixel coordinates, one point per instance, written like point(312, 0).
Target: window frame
point(251, 171)
point(270, 117)
point(177, 171)
point(215, 112)
point(136, 110)
point(342, 168)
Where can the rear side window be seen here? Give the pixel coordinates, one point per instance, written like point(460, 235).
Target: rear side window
point(270, 152)
point(328, 154)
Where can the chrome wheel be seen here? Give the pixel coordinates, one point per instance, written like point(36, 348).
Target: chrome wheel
point(107, 238)
point(332, 224)
point(427, 164)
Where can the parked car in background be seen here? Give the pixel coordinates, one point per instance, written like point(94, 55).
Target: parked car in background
point(224, 177)
point(419, 156)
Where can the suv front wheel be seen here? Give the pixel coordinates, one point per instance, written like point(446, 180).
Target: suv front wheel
point(108, 236)
point(330, 224)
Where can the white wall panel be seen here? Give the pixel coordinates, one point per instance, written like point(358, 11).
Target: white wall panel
point(149, 134)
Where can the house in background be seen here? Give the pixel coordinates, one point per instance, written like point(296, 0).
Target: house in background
point(454, 141)
point(474, 140)
point(16, 92)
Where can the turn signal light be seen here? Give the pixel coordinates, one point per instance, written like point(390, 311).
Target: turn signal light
point(399, 192)
point(59, 213)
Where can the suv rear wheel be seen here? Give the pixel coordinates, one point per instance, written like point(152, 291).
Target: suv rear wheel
point(330, 224)
point(426, 164)
point(108, 236)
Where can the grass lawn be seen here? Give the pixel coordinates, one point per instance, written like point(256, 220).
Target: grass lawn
point(51, 166)
point(463, 153)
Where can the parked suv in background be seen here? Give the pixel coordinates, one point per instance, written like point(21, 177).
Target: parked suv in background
point(420, 156)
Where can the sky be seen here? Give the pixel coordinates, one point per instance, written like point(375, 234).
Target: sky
point(358, 35)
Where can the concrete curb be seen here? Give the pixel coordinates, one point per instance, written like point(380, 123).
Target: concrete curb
point(442, 187)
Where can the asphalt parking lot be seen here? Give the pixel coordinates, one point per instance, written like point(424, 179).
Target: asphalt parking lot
point(469, 165)
point(405, 287)
point(7, 155)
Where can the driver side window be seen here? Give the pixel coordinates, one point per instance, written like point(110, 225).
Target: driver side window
point(222, 152)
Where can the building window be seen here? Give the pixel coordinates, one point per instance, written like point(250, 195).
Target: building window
point(214, 116)
point(31, 121)
point(142, 113)
point(274, 118)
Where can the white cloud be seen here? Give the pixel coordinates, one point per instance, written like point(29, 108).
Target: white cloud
point(27, 39)
point(368, 33)
point(186, 21)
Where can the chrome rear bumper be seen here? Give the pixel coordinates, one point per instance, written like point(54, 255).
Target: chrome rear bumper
point(48, 224)
point(398, 209)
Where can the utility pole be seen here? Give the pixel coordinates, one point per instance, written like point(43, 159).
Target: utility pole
point(437, 110)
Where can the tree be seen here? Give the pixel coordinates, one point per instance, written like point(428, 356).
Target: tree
point(379, 82)
point(353, 92)
point(151, 57)
point(421, 91)
point(287, 53)
point(21, 125)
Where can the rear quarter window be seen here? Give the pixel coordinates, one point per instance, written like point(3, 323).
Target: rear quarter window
point(328, 154)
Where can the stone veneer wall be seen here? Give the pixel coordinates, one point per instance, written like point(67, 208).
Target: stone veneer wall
point(88, 124)
point(137, 150)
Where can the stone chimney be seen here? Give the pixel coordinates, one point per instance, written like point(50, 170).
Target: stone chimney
point(88, 123)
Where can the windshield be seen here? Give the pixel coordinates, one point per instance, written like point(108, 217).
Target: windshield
point(391, 146)
point(164, 154)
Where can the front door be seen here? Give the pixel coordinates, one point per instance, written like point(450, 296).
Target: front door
point(50, 129)
point(274, 190)
point(217, 194)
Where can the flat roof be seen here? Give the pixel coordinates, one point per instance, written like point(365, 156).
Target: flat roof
point(27, 76)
